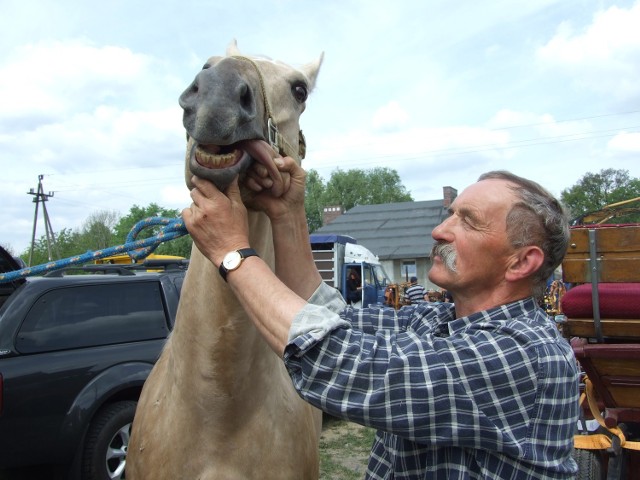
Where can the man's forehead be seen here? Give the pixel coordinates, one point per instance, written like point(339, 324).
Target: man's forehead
point(493, 188)
point(485, 195)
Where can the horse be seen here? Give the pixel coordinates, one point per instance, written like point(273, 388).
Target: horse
point(219, 403)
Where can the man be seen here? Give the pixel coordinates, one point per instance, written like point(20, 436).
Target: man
point(483, 388)
point(354, 289)
point(415, 292)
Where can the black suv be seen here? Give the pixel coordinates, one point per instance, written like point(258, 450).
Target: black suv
point(75, 351)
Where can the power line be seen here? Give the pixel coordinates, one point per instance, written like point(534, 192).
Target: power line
point(453, 151)
point(470, 149)
point(525, 125)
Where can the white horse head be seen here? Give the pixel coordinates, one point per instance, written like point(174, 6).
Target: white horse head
point(236, 99)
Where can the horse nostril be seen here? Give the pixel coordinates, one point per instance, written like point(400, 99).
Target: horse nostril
point(188, 97)
point(246, 97)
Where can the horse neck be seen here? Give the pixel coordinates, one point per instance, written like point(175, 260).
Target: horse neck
point(212, 330)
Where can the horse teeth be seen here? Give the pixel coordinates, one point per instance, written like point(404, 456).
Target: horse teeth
point(215, 161)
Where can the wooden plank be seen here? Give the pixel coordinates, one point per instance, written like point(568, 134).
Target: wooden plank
point(614, 370)
point(608, 240)
point(617, 368)
point(617, 260)
point(610, 269)
point(623, 397)
point(613, 328)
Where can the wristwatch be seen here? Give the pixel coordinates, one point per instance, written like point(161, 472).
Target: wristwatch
point(233, 260)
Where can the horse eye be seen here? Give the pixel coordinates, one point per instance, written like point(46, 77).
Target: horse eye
point(300, 92)
point(205, 66)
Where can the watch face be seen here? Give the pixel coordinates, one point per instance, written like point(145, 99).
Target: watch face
point(232, 260)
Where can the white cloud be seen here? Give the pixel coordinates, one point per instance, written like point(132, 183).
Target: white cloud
point(625, 142)
point(391, 117)
point(94, 121)
point(52, 78)
point(107, 137)
point(176, 196)
point(613, 34)
point(407, 149)
point(604, 56)
point(529, 129)
point(507, 118)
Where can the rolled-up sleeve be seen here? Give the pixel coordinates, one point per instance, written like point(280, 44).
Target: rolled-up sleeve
point(329, 297)
point(320, 315)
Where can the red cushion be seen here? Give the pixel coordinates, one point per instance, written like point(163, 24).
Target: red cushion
point(617, 300)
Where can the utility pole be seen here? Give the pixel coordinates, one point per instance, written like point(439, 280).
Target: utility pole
point(41, 197)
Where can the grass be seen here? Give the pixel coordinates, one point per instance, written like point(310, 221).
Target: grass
point(344, 449)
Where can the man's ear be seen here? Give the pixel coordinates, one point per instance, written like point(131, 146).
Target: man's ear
point(526, 261)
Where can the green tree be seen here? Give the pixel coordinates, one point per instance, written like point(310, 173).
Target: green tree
point(97, 231)
point(313, 200)
point(67, 244)
point(595, 190)
point(365, 187)
point(350, 188)
point(180, 246)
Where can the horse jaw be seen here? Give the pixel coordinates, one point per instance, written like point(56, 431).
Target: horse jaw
point(221, 168)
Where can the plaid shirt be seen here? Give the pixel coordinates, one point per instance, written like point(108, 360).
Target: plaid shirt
point(490, 396)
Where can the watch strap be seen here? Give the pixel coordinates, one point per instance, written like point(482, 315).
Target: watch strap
point(244, 253)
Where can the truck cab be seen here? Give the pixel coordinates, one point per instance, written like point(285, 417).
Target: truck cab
point(337, 256)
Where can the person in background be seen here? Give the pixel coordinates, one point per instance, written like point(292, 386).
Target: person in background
point(446, 296)
point(415, 292)
point(483, 388)
point(354, 289)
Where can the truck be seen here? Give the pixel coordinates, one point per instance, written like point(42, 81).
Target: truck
point(337, 256)
point(76, 346)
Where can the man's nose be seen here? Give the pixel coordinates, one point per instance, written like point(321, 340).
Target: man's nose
point(442, 231)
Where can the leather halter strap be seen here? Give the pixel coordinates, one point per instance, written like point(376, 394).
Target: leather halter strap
point(277, 141)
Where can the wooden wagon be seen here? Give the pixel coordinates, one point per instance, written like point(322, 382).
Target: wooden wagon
point(602, 311)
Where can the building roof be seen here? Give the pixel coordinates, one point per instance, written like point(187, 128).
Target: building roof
point(391, 230)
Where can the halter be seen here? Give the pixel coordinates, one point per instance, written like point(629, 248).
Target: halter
point(276, 140)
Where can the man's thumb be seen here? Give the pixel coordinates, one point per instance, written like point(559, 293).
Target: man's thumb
point(233, 190)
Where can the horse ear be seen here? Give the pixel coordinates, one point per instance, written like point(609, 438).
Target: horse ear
point(311, 70)
point(232, 48)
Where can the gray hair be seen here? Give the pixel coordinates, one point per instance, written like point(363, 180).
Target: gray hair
point(539, 219)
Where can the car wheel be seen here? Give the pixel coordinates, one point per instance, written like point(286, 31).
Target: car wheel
point(105, 449)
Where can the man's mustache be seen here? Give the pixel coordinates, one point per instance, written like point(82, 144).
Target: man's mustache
point(447, 253)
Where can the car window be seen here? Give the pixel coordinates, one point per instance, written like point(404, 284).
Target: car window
point(92, 315)
point(177, 281)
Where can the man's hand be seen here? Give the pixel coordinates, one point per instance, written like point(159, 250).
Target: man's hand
point(277, 199)
point(294, 263)
point(217, 222)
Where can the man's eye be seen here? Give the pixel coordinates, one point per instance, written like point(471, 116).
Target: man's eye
point(467, 221)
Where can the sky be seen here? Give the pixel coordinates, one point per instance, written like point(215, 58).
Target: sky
point(439, 91)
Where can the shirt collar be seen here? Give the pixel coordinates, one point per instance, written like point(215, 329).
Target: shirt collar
point(504, 312)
